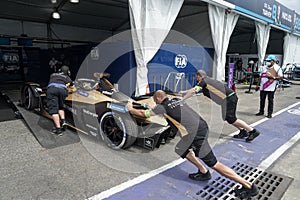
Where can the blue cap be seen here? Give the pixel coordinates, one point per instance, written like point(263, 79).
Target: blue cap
point(271, 57)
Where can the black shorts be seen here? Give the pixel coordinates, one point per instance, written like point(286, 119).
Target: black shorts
point(199, 145)
point(229, 109)
point(55, 99)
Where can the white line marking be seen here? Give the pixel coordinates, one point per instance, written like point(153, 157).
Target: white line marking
point(137, 180)
point(265, 119)
point(274, 156)
point(264, 164)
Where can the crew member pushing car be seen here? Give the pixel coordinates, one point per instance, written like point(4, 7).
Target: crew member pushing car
point(194, 140)
point(56, 94)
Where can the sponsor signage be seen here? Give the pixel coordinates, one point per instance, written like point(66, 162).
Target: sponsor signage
point(270, 11)
point(180, 61)
point(296, 23)
point(283, 16)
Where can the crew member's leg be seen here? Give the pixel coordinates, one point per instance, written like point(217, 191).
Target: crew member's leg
point(245, 129)
point(270, 104)
point(188, 147)
point(53, 106)
point(262, 102)
point(193, 159)
point(62, 96)
point(248, 190)
point(229, 173)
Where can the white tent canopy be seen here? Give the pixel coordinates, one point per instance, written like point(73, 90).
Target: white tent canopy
point(262, 38)
point(150, 22)
point(222, 25)
point(291, 49)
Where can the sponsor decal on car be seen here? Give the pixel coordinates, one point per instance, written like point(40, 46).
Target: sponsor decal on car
point(117, 107)
point(149, 142)
point(93, 133)
point(72, 110)
point(91, 127)
point(89, 113)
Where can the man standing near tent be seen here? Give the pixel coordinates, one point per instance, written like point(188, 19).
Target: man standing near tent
point(227, 98)
point(268, 82)
point(194, 140)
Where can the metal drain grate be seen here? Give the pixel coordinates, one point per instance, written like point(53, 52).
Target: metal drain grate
point(271, 186)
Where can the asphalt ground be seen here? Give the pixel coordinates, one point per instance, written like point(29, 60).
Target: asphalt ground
point(29, 171)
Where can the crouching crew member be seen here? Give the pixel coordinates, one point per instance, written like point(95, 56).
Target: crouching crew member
point(194, 140)
point(56, 94)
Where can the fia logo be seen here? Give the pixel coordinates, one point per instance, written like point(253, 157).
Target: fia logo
point(180, 61)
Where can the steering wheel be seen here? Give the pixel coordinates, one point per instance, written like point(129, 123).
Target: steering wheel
point(85, 84)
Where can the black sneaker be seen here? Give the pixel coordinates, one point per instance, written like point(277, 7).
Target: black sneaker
point(244, 193)
point(57, 131)
point(252, 135)
point(269, 116)
point(242, 134)
point(199, 176)
point(259, 113)
point(63, 124)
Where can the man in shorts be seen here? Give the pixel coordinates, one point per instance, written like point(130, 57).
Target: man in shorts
point(227, 98)
point(194, 132)
point(56, 94)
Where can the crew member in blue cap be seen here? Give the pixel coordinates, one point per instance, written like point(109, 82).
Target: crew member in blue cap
point(269, 77)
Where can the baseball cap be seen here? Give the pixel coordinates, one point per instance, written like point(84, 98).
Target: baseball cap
point(271, 57)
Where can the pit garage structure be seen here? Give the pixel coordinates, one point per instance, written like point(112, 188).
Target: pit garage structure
point(227, 27)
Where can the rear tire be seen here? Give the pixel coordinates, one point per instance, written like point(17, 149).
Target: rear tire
point(117, 131)
point(29, 101)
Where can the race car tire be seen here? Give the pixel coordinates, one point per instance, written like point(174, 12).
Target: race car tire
point(29, 101)
point(118, 131)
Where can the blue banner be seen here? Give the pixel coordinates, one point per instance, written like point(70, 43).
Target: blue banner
point(263, 10)
point(283, 16)
point(296, 23)
point(270, 11)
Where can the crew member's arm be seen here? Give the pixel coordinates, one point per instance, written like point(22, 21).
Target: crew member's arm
point(191, 92)
point(139, 112)
point(183, 91)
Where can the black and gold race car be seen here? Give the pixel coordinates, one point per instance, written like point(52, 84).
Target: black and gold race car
point(95, 108)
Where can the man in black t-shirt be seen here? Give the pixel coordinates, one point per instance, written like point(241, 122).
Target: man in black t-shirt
point(194, 132)
point(56, 94)
point(227, 98)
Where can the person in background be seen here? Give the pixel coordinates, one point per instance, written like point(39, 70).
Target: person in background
point(227, 98)
point(56, 94)
point(267, 83)
point(194, 140)
point(53, 64)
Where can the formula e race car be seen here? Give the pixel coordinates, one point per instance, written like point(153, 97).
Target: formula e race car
point(97, 109)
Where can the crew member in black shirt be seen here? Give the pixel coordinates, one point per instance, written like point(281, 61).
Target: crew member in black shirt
point(56, 94)
point(194, 132)
point(227, 98)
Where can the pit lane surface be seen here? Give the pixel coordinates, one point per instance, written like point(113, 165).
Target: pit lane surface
point(28, 171)
point(173, 182)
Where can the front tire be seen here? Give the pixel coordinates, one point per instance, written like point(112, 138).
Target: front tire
point(117, 131)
